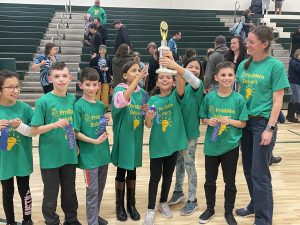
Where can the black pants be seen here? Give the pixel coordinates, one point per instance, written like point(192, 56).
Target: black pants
point(8, 195)
point(161, 167)
point(131, 174)
point(229, 163)
point(47, 88)
point(52, 178)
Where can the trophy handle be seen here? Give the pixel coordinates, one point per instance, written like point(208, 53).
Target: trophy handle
point(164, 30)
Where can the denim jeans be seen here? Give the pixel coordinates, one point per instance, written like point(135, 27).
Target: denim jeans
point(256, 170)
point(295, 93)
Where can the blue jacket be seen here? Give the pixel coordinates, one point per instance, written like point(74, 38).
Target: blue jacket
point(294, 71)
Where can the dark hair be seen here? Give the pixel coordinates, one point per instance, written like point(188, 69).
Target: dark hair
point(176, 32)
point(89, 73)
point(58, 66)
point(93, 26)
point(242, 50)
point(122, 51)
point(297, 53)
point(223, 65)
point(5, 74)
point(48, 47)
point(264, 34)
point(192, 59)
point(98, 19)
point(117, 22)
point(126, 67)
point(246, 12)
point(190, 52)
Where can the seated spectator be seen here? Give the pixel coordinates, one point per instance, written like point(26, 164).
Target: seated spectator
point(122, 34)
point(96, 11)
point(121, 57)
point(101, 29)
point(43, 63)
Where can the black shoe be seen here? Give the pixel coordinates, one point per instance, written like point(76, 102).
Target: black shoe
point(206, 216)
point(72, 223)
point(292, 119)
point(230, 219)
point(120, 209)
point(244, 212)
point(134, 214)
point(102, 221)
point(11, 224)
point(27, 222)
point(275, 159)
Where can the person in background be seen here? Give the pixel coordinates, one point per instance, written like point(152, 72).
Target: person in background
point(189, 53)
point(173, 45)
point(93, 40)
point(122, 34)
point(247, 25)
point(265, 6)
point(136, 56)
point(153, 66)
point(295, 41)
point(44, 62)
point(97, 11)
point(101, 29)
point(278, 6)
point(205, 59)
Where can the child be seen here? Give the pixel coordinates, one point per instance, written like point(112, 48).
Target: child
point(163, 147)
point(16, 154)
point(52, 119)
point(94, 154)
point(224, 109)
point(100, 63)
point(128, 127)
point(190, 113)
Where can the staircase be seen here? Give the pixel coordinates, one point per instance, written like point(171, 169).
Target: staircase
point(71, 50)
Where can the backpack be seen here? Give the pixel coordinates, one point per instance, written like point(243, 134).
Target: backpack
point(236, 28)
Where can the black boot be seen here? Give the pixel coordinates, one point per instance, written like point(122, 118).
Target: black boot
point(120, 209)
point(275, 159)
point(292, 108)
point(134, 214)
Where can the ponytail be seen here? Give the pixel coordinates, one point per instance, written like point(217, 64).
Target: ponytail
point(247, 64)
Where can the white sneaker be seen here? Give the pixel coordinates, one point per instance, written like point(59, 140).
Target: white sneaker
point(165, 210)
point(149, 218)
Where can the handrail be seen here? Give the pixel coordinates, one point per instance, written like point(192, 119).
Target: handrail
point(62, 21)
point(70, 11)
point(67, 12)
point(59, 36)
point(236, 8)
point(52, 39)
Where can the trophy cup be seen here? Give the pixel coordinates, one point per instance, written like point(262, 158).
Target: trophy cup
point(164, 35)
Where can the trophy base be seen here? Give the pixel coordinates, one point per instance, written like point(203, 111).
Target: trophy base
point(166, 70)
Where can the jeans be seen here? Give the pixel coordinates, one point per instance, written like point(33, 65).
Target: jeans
point(295, 93)
point(186, 161)
point(256, 159)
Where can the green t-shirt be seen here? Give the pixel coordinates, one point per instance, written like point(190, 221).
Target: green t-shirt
point(259, 82)
point(53, 145)
point(86, 120)
point(16, 160)
point(128, 128)
point(168, 135)
point(97, 11)
point(190, 110)
point(232, 106)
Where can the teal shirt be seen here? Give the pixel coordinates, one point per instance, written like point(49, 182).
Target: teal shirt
point(86, 120)
point(128, 128)
point(215, 106)
point(190, 110)
point(97, 11)
point(16, 160)
point(53, 145)
point(168, 135)
point(259, 82)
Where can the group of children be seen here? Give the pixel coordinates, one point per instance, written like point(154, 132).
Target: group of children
point(173, 115)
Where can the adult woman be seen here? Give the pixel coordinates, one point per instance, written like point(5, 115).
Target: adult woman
point(237, 52)
point(44, 62)
point(121, 57)
point(246, 21)
point(262, 81)
point(294, 79)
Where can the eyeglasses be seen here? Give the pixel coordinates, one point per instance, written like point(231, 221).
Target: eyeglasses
point(12, 88)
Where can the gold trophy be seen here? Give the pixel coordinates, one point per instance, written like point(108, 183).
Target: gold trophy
point(164, 45)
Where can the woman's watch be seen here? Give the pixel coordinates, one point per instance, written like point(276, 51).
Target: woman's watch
point(270, 128)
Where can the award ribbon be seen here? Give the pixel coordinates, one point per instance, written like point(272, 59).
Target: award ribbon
point(4, 138)
point(214, 134)
point(70, 137)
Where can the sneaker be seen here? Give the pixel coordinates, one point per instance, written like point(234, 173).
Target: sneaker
point(206, 216)
point(165, 210)
point(149, 218)
point(230, 219)
point(102, 221)
point(27, 222)
point(189, 208)
point(177, 197)
point(244, 212)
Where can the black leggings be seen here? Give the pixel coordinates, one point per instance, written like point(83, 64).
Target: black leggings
point(131, 174)
point(164, 167)
point(8, 195)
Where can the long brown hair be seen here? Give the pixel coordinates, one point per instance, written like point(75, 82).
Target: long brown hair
point(122, 51)
point(264, 34)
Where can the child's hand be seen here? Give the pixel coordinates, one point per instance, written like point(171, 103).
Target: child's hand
point(167, 53)
point(167, 62)
point(144, 73)
point(150, 114)
point(61, 123)
point(224, 120)
point(4, 124)
point(213, 122)
point(101, 138)
point(107, 117)
point(145, 108)
point(15, 123)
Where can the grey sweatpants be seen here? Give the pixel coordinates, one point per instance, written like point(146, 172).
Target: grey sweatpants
point(95, 180)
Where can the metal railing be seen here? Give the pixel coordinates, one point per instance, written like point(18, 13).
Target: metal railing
point(236, 8)
point(59, 37)
point(70, 9)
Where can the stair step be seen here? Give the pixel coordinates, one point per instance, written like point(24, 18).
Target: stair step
point(33, 83)
point(73, 37)
point(36, 92)
point(67, 31)
point(65, 50)
point(64, 43)
point(71, 25)
point(66, 58)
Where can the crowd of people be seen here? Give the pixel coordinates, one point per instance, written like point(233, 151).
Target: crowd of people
point(237, 92)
